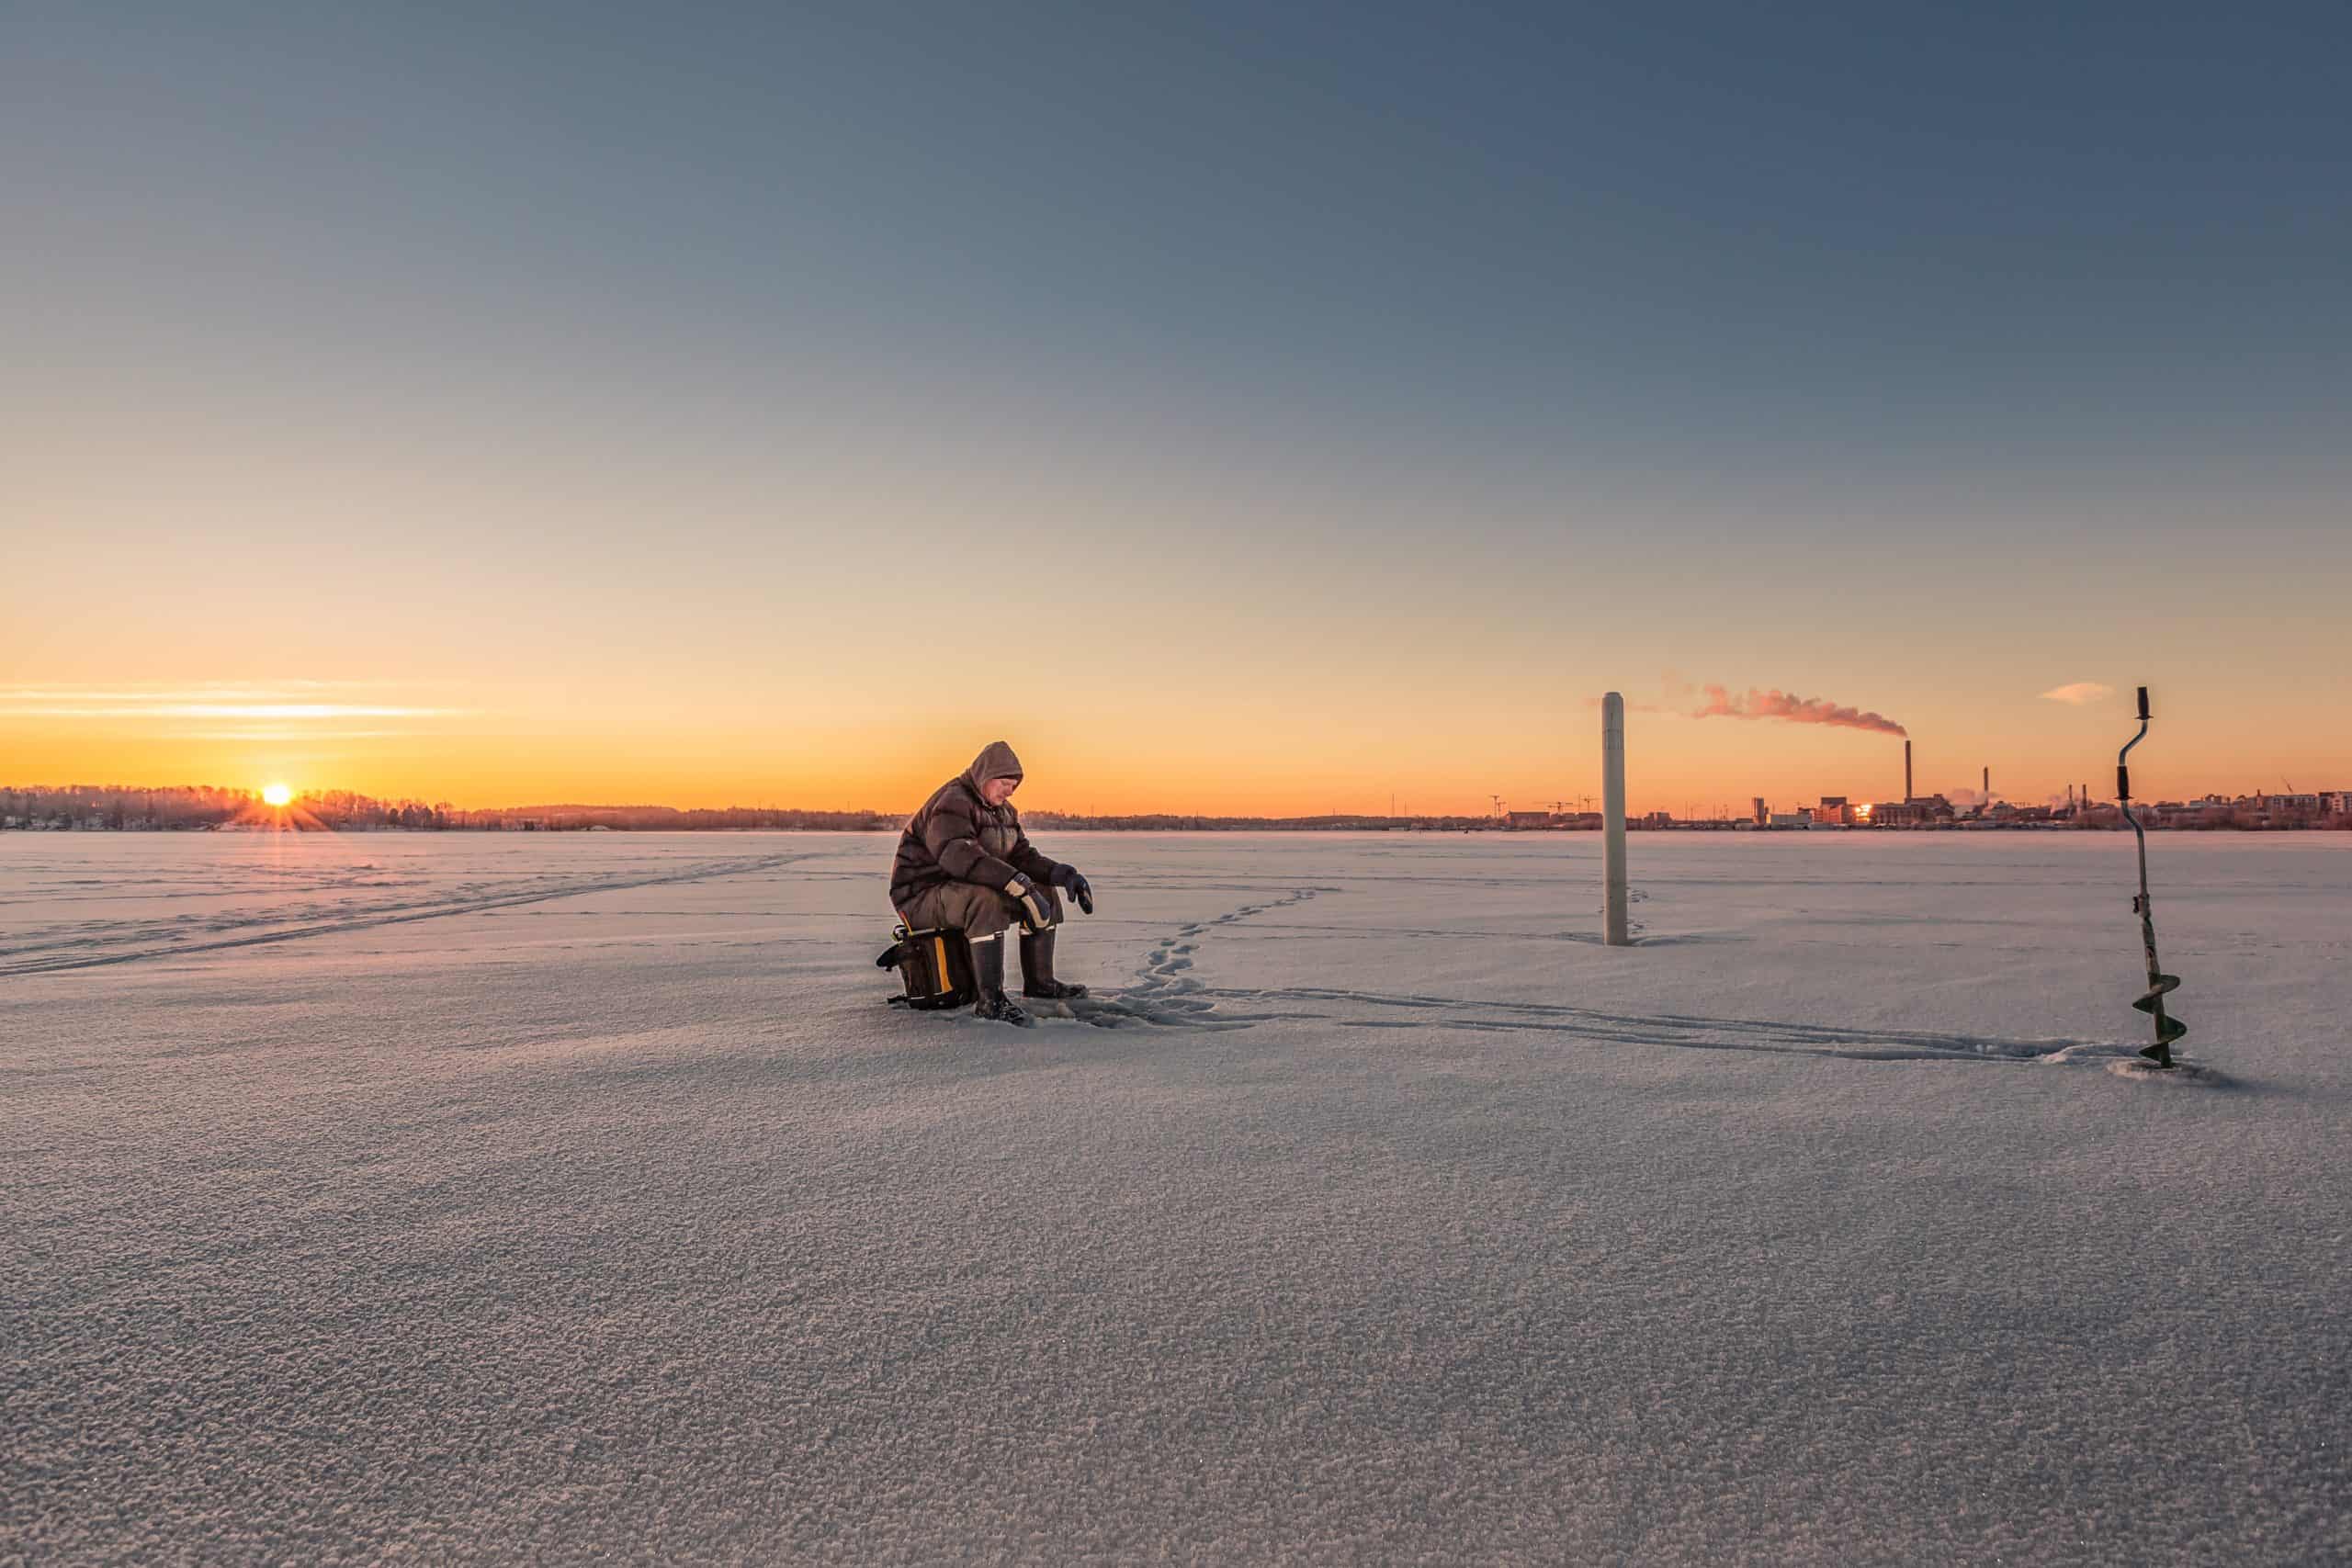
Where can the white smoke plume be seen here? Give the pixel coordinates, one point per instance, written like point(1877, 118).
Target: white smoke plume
point(1777, 704)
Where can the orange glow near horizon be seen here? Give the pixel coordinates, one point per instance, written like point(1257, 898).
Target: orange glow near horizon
point(1212, 631)
point(1276, 745)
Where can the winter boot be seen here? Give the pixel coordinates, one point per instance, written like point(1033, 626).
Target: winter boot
point(988, 976)
point(1037, 969)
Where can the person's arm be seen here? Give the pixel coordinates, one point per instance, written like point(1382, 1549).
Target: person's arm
point(1052, 872)
point(1025, 857)
point(953, 841)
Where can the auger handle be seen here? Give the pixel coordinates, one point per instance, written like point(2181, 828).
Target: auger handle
point(2123, 772)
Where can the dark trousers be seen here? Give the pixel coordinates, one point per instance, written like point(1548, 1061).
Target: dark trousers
point(967, 907)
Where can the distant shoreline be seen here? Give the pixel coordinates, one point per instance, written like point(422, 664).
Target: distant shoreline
point(1270, 825)
point(210, 808)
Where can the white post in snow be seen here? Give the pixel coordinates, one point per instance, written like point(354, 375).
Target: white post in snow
point(1612, 819)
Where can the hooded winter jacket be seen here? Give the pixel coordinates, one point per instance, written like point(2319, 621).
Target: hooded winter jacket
point(960, 837)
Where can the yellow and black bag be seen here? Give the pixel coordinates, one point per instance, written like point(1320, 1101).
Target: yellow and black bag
point(935, 966)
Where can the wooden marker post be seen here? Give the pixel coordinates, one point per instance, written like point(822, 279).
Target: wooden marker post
point(1612, 821)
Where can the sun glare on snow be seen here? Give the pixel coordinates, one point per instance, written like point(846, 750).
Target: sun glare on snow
point(277, 795)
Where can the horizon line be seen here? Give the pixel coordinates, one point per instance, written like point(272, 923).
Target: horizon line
point(255, 793)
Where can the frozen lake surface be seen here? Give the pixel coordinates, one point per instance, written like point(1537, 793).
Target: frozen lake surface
point(521, 1198)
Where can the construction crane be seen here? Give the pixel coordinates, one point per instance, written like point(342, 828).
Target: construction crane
point(1498, 804)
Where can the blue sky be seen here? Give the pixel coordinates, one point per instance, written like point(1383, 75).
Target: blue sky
point(1954, 231)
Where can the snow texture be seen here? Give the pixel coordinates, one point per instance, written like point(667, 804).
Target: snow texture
point(495, 1199)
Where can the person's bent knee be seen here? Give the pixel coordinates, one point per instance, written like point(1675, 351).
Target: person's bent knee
point(986, 918)
point(979, 912)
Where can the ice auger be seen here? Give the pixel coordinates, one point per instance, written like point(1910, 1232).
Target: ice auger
point(2168, 1029)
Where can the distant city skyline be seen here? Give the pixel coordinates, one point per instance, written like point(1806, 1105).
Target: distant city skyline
point(1242, 410)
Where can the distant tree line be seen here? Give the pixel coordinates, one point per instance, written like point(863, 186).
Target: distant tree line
point(121, 808)
point(118, 806)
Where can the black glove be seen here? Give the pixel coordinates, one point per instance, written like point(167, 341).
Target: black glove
point(1066, 877)
point(1029, 901)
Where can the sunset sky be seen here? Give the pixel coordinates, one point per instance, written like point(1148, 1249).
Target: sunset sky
point(1247, 408)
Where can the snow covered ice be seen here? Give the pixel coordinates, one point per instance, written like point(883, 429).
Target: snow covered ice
point(524, 1198)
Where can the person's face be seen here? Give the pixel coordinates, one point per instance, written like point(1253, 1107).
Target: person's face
point(996, 792)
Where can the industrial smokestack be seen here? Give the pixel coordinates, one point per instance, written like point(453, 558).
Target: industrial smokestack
point(1906, 771)
point(1988, 785)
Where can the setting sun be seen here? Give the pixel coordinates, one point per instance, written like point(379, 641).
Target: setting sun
point(277, 795)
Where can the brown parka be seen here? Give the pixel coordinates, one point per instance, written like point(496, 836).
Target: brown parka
point(960, 837)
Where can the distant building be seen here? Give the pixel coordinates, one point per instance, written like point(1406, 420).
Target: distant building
point(1528, 819)
point(1920, 811)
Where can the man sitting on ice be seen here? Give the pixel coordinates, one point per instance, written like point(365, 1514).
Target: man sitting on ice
point(965, 864)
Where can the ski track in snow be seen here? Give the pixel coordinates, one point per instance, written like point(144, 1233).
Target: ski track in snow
point(130, 943)
point(1690, 1031)
point(1169, 994)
